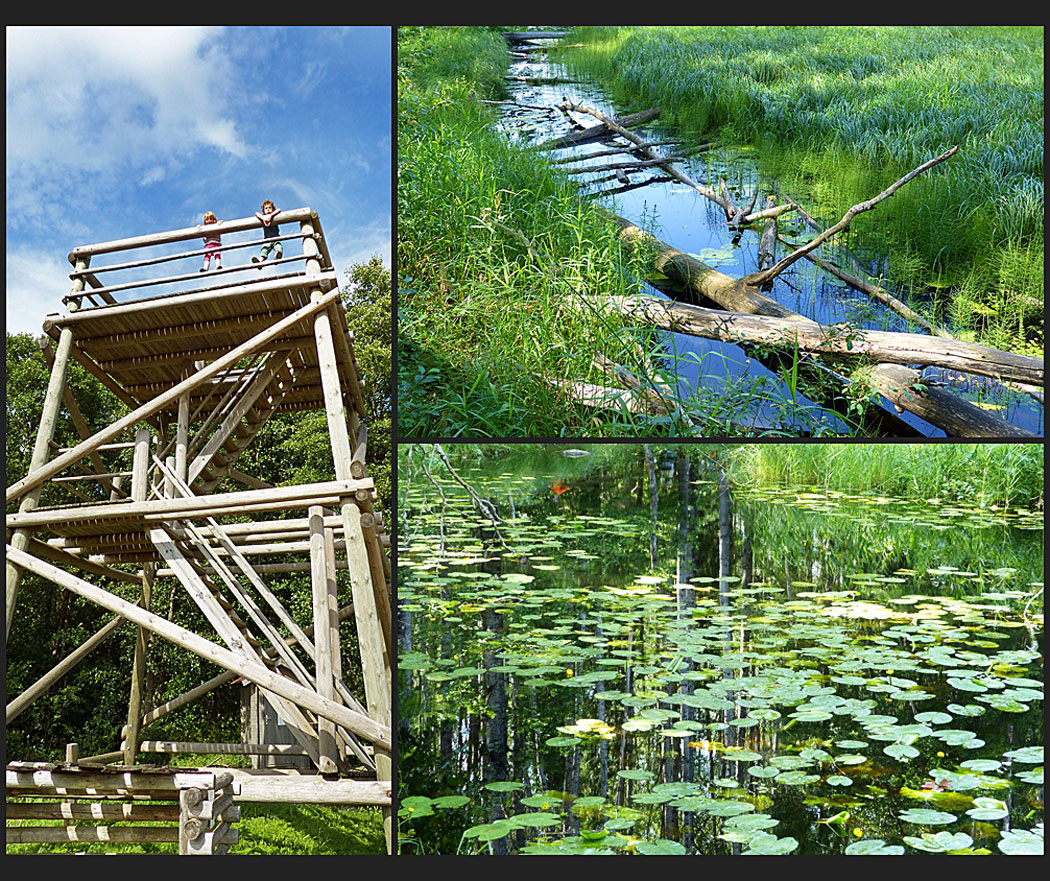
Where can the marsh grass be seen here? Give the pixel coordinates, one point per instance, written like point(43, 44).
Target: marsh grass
point(982, 474)
point(838, 113)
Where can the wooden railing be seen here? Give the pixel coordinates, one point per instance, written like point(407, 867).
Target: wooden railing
point(136, 275)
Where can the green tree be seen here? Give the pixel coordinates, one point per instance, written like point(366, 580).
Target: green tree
point(368, 311)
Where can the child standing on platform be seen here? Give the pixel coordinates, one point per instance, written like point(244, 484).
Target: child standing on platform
point(266, 216)
point(211, 244)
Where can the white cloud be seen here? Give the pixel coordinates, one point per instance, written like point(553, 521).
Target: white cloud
point(109, 100)
point(36, 283)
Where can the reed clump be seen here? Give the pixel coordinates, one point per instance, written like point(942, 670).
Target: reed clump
point(838, 112)
point(981, 474)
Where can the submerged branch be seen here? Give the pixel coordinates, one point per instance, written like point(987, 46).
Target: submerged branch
point(769, 274)
point(617, 126)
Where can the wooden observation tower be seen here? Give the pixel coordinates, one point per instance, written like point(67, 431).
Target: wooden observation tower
point(202, 361)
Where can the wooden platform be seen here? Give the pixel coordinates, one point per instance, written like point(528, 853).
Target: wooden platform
point(146, 341)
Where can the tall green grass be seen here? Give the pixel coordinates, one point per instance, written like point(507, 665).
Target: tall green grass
point(839, 113)
point(484, 328)
point(982, 474)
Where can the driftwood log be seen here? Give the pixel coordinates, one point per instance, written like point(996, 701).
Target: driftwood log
point(841, 340)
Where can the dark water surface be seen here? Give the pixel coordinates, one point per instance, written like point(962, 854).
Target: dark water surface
point(694, 224)
point(786, 671)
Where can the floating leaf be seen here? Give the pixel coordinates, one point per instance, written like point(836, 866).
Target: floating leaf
point(966, 685)
point(925, 817)
point(451, 801)
point(982, 764)
point(933, 718)
point(1022, 842)
point(1029, 755)
point(660, 847)
point(988, 809)
point(415, 806)
point(729, 808)
point(504, 786)
point(536, 820)
point(493, 831)
point(875, 847)
point(769, 845)
point(901, 751)
point(796, 778)
point(940, 842)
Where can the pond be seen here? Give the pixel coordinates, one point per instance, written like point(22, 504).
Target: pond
point(723, 672)
point(694, 224)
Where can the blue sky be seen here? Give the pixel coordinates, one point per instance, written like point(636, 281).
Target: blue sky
point(124, 131)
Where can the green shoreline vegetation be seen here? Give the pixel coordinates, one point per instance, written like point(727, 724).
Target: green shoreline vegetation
point(837, 113)
point(986, 475)
point(833, 114)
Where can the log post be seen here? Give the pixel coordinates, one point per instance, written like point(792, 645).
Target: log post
point(182, 433)
point(138, 670)
point(767, 245)
point(375, 662)
point(322, 639)
point(42, 446)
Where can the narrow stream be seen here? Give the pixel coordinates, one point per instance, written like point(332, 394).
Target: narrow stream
point(696, 225)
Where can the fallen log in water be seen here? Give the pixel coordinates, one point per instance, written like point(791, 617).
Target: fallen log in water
point(525, 36)
point(660, 396)
point(734, 216)
point(902, 309)
point(958, 417)
point(840, 340)
point(953, 415)
point(597, 132)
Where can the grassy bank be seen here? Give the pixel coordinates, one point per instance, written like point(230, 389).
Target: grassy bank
point(839, 113)
point(982, 474)
point(492, 245)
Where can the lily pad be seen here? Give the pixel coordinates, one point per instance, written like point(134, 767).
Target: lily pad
point(939, 842)
point(875, 847)
point(1022, 842)
point(988, 809)
point(926, 817)
point(451, 801)
point(660, 847)
point(770, 845)
point(1029, 755)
